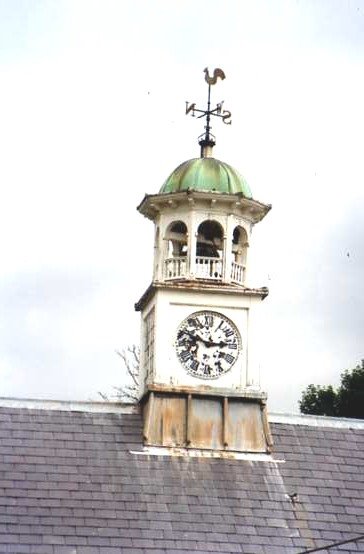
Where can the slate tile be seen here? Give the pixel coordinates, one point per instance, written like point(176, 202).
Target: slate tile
point(118, 523)
point(173, 508)
point(17, 549)
point(271, 549)
point(53, 539)
point(160, 525)
point(152, 533)
point(75, 541)
point(111, 532)
point(98, 541)
point(252, 549)
point(88, 550)
point(10, 538)
point(143, 543)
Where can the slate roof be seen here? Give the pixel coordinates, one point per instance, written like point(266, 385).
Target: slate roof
point(75, 480)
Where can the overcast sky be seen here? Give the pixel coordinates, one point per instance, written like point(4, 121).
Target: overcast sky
point(92, 100)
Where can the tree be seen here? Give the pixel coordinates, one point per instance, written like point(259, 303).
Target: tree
point(129, 391)
point(318, 400)
point(351, 393)
point(346, 401)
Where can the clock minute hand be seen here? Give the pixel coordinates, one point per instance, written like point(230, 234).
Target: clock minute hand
point(209, 343)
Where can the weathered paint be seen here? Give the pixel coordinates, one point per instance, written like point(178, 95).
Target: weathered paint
point(171, 306)
point(206, 421)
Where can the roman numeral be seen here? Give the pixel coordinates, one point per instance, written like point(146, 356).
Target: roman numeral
point(232, 345)
point(194, 365)
point(229, 358)
point(194, 322)
point(209, 320)
point(218, 327)
point(207, 370)
point(185, 355)
point(228, 332)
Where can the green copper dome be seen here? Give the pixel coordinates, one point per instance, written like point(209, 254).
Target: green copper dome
point(206, 174)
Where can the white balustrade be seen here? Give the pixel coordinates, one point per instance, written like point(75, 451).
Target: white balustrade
point(237, 273)
point(174, 268)
point(208, 268)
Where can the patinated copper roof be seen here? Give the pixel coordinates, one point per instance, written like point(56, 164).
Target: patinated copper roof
point(207, 174)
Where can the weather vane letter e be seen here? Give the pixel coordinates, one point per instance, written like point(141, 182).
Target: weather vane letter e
point(218, 110)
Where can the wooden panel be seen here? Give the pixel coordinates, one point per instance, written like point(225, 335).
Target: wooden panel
point(245, 424)
point(167, 421)
point(206, 424)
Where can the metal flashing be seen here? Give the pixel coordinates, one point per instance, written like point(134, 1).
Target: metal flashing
point(200, 453)
point(69, 406)
point(120, 408)
point(316, 421)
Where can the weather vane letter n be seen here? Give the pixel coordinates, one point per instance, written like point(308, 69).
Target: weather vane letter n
point(207, 139)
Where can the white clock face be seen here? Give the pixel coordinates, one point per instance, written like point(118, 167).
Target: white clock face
point(207, 344)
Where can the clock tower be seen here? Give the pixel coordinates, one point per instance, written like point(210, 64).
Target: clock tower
point(199, 339)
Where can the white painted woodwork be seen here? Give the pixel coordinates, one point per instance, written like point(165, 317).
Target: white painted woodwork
point(171, 306)
point(180, 276)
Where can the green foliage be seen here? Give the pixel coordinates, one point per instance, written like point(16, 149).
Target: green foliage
point(318, 400)
point(350, 396)
point(346, 401)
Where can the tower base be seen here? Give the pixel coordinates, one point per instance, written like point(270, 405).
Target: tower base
point(212, 420)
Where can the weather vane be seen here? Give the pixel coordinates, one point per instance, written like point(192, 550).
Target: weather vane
point(207, 139)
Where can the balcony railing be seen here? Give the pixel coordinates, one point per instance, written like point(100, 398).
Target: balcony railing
point(237, 273)
point(174, 268)
point(206, 268)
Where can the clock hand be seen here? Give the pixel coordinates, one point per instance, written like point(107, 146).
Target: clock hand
point(209, 343)
point(221, 343)
point(194, 337)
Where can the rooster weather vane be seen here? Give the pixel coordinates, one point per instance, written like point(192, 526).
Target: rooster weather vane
point(207, 138)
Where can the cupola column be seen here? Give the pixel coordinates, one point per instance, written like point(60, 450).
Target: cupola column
point(192, 239)
point(228, 258)
point(226, 263)
point(158, 259)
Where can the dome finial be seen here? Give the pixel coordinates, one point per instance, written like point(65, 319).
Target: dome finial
point(207, 140)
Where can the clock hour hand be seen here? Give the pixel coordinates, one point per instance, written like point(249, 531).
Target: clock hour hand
point(191, 335)
point(194, 337)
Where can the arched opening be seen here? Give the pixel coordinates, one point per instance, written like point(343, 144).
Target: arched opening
point(209, 250)
point(176, 250)
point(239, 252)
point(209, 240)
point(177, 239)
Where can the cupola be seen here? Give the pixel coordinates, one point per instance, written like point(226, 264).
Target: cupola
point(203, 216)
